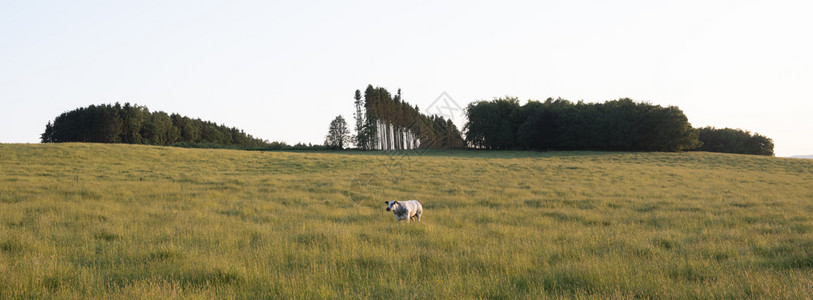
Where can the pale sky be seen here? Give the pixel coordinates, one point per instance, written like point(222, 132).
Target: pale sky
point(282, 71)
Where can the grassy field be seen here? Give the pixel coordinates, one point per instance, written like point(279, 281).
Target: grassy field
point(91, 220)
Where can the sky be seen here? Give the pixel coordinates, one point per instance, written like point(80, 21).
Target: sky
point(282, 71)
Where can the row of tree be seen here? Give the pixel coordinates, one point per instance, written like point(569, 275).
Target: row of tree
point(134, 124)
point(619, 125)
point(387, 122)
point(729, 140)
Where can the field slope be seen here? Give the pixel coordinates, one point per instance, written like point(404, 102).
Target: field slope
point(93, 220)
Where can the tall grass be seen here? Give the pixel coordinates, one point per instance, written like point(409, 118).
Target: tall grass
point(90, 220)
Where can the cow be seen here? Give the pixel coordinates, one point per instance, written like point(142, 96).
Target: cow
point(405, 210)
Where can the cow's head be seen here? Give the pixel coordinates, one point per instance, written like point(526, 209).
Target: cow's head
point(391, 205)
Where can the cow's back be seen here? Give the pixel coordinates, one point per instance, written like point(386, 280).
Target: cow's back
point(413, 205)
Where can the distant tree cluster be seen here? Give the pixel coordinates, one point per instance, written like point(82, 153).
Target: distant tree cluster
point(390, 123)
point(729, 140)
point(134, 124)
point(282, 146)
point(619, 125)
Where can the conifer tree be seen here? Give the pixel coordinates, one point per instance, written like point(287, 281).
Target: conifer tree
point(338, 133)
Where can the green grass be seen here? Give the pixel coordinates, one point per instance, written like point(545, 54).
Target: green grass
point(91, 220)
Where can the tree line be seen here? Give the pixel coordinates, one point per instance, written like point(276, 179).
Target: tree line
point(135, 124)
point(387, 122)
point(734, 141)
point(618, 125)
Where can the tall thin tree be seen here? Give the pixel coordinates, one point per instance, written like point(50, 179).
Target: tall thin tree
point(361, 139)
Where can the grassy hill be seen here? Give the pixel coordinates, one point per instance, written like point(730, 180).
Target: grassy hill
point(93, 220)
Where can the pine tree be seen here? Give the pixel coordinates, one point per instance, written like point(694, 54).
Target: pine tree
point(338, 134)
point(361, 139)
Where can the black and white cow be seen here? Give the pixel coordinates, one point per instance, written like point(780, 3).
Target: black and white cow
point(405, 210)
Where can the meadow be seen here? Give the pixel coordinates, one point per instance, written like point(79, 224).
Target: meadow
point(124, 221)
